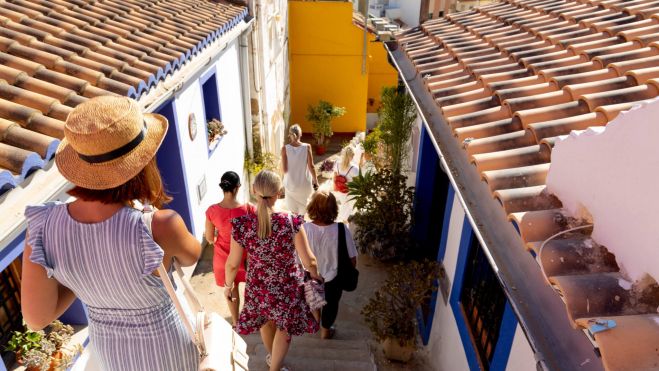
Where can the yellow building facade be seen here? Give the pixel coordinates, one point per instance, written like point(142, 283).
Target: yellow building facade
point(326, 58)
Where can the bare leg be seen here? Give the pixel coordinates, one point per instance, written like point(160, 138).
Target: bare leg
point(279, 349)
point(268, 335)
point(316, 314)
point(234, 305)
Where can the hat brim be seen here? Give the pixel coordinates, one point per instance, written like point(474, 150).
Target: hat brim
point(113, 173)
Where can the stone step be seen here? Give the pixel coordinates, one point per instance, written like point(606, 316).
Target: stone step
point(314, 364)
point(345, 352)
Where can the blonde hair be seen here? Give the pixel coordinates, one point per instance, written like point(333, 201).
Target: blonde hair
point(346, 157)
point(295, 130)
point(266, 185)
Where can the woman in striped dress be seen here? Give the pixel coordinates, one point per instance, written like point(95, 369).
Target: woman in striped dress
point(97, 248)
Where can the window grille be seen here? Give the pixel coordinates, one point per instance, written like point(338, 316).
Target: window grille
point(10, 302)
point(483, 302)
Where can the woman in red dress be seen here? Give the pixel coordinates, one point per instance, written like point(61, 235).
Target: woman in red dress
point(218, 218)
point(274, 293)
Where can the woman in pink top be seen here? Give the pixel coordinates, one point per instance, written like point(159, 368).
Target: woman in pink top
point(218, 218)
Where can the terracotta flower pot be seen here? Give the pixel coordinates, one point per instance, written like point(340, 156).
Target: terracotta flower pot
point(396, 352)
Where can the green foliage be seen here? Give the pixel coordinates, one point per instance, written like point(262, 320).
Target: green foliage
point(383, 204)
point(321, 116)
point(391, 312)
point(23, 341)
point(396, 116)
point(261, 161)
point(371, 141)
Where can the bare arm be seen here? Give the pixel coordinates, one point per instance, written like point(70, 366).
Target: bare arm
point(231, 267)
point(209, 232)
point(284, 160)
point(42, 299)
point(306, 255)
point(171, 233)
point(310, 165)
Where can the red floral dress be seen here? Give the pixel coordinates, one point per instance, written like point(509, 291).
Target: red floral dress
point(221, 219)
point(274, 288)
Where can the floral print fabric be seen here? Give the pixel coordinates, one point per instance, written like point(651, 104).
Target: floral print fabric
point(274, 289)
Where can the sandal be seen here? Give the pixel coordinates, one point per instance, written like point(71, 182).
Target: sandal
point(268, 359)
point(331, 333)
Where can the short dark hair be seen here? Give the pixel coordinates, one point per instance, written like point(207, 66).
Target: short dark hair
point(146, 187)
point(323, 207)
point(230, 181)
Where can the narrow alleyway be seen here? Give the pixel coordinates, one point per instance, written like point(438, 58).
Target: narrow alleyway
point(352, 348)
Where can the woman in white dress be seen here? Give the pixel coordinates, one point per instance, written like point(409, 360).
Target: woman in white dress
point(344, 171)
point(299, 172)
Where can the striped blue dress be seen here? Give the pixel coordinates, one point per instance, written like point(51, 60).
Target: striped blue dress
point(133, 324)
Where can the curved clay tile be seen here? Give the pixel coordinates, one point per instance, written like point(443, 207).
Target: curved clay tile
point(502, 142)
point(524, 91)
point(548, 73)
point(536, 101)
point(487, 129)
point(642, 75)
point(530, 116)
point(436, 83)
point(509, 75)
point(564, 126)
point(582, 37)
point(595, 44)
point(526, 199)
point(631, 345)
point(455, 90)
point(585, 77)
point(517, 157)
point(615, 30)
point(576, 255)
point(464, 97)
point(516, 83)
point(19, 161)
point(577, 90)
point(549, 63)
point(538, 225)
point(518, 177)
point(469, 107)
point(14, 135)
point(612, 49)
point(480, 117)
point(636, 93)
point(596, 295)
point(605, 60)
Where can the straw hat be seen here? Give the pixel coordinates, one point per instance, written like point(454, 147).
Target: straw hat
point(108, 141)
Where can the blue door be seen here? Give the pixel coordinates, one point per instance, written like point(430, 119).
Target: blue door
point(170, 163)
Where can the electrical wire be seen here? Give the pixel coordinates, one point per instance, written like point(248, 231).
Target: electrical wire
point(542, 246)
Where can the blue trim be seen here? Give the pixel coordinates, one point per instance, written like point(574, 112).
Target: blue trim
point(426, 176)
point(448, 209)
point(463, 253)
point(12, 251)
point(210, 102)
point(425, 325)
point(505, 342)
point(172, 166)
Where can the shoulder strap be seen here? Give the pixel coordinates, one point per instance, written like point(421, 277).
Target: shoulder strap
point(147, 217)
point(347, 172)
point(343, 246)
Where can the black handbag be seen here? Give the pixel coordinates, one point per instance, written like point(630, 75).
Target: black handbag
point(347, 275)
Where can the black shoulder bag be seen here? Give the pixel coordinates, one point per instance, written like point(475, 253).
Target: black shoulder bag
point(347, 275)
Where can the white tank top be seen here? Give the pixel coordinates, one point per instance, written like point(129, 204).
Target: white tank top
point(297, 175)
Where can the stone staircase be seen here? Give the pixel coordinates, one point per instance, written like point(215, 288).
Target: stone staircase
point(311, 353)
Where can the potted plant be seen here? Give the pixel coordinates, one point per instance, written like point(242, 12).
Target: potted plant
point(327, 169)
point(45, 350)
point(321, 116)
point(383, 214)
point(390, 314)
point(396, 117)
point(216, 130)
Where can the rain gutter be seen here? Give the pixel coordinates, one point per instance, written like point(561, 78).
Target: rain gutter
point(540, 311)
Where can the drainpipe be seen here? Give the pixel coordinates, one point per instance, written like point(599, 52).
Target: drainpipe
point(364, 4)
point(244, 79)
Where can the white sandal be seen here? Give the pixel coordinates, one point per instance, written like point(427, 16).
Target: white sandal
point(268, 359)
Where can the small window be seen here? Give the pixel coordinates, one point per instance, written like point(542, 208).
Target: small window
point(483, 303)
point(213, 115)
point(10, 301)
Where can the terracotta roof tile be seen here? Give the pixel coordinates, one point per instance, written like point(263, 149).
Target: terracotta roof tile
point(55, 54)
point(511, 77)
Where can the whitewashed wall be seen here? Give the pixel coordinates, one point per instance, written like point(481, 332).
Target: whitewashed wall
point(445, 345)
point(230, 153)
point(409, 11)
